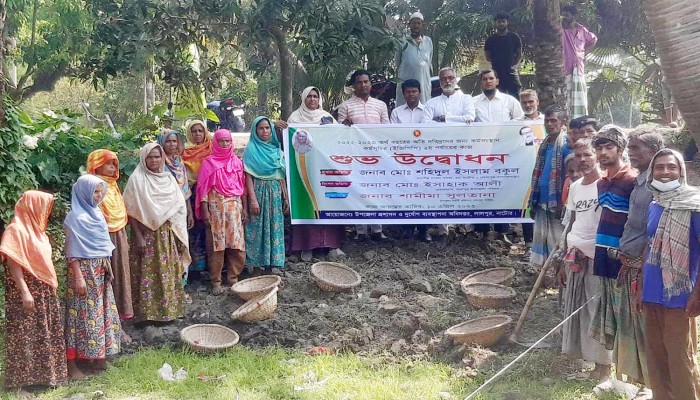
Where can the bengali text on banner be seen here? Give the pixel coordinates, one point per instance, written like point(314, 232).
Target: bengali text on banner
point(419, 173)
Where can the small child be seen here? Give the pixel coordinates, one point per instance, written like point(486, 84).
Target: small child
point(267, 198)
point(105, 164)
point(92, 321)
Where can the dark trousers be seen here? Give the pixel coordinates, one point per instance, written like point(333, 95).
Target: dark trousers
point(509, 82)
point(528, 232)
point(484, 228)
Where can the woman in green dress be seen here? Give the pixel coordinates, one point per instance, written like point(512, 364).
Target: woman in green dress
point(267, 198)
point(158, 218)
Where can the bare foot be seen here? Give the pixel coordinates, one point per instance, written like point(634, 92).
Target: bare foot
point(126, 339)
point(217, 290)
point(74, 373)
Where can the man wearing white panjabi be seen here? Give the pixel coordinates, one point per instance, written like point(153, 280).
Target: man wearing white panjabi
point(414, 60)
point(452, 105)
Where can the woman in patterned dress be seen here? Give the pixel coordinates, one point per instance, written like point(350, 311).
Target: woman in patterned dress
point(267, 198)
point(35, 350)
point(160, 253)
point(92, 320)
point(104, 164)
point(222, 205)
point(197, 150)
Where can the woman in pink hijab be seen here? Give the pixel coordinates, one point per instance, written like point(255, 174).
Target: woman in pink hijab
point(221, 204)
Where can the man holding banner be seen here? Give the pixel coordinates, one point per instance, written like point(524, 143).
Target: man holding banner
point(363, 109)
point(410, 113)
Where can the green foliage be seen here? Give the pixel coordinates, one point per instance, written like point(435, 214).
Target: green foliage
point(16, 176)
point(63, 146)
point(50, 37)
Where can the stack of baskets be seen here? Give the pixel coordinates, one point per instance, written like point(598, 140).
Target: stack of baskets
point(261, 298)
point(485, 289)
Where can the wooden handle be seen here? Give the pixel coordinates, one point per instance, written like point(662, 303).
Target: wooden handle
point(531, 298)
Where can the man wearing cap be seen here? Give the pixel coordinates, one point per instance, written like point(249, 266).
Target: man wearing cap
point(503, 49)
point(414, 60)
point(614, 190)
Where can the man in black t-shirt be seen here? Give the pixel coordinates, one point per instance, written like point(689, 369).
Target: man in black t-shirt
point(503, 49)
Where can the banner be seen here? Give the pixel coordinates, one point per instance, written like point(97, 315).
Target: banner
point(417, 173)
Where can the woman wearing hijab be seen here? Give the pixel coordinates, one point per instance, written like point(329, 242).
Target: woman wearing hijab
point(105, 165)
point(92, 320)
point(173, 147)
point(222, 205)
point(197, 150)
point(267, 197)
point(35, 350)
point(159, 256)
point(307, 238)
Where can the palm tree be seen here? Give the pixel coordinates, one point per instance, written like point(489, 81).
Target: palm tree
point(548, 56)
point(676, 27)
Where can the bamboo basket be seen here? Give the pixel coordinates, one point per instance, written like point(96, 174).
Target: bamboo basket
point(334, 277)
point(259, 308)
point(488, 295)
point(484, 331)
point(501, 276)
point(209, 338)
point(254, 287)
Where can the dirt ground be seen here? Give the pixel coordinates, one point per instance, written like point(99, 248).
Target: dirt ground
point(420, 282)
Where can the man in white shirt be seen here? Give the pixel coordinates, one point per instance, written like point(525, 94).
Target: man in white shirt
point(413, 111)
point(492, 105)
point(576, 276)
point(452, 105)
point(530, 104)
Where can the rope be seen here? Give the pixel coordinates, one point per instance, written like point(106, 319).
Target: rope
point(510, 364)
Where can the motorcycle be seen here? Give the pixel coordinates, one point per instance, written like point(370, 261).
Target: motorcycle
point(230, 116)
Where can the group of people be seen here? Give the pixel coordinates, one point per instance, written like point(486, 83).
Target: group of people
point(503, 50)
point(615, 213)
point(173, 195)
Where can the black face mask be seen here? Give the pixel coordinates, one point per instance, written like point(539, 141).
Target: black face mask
point(489, 92)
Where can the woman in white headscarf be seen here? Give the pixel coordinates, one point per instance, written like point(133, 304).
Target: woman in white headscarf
point(307, 238)
point(160, 254)
point(311, 109)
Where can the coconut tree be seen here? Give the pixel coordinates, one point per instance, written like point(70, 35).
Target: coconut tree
point(548, 56)
point(676, 27)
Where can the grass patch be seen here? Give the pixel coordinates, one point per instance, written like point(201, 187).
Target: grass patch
point(276, 373)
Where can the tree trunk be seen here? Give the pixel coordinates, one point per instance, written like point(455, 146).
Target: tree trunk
point(676, 28)
point(548, 56)
point(286, 71)
point(3, 121)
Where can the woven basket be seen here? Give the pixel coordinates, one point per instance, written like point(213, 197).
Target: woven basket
point(254, 287)
point(500, 276)
point(334, 277)
point(484, 331)
point(259, 308)
point(209, 338)
point(488, 295)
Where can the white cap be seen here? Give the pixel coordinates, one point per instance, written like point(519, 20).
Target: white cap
point(417, 15)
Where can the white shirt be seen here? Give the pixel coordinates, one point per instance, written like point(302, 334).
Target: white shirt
point(404, 115)
point(540, 117)
point(503, 107)
point(458, 107)
point(583, 200)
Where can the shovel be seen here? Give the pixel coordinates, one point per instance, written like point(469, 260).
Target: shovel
point(514, 337)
